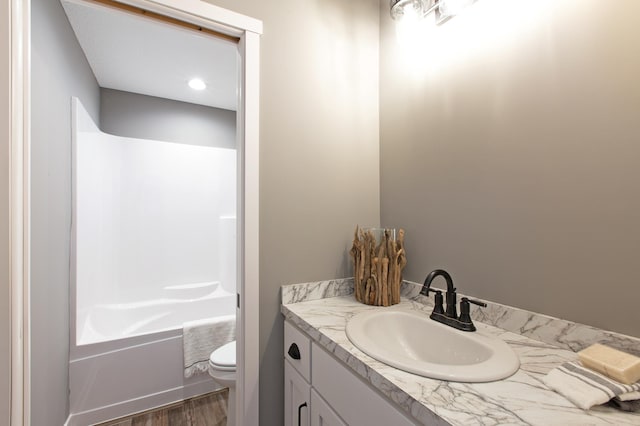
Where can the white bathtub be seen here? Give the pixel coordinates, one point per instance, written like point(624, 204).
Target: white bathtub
point(179, 304)
point(129, 355)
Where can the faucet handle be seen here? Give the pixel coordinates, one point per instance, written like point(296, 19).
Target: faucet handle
point(474, 301)
point(438, 299)
point(464, 312)
point(437, 305)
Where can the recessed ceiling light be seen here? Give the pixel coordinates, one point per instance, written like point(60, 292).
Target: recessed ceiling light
point(197, 84)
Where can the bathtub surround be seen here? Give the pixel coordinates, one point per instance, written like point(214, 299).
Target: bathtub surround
point(147, 231)
point(436, 402)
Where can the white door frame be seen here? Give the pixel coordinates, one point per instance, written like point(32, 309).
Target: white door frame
point(17, 59)
point(192, 11)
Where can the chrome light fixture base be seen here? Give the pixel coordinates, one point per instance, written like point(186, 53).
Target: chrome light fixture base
point(442, 9)
point(418, 8)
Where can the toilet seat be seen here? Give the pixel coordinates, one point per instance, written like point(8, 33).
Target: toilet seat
point(222, 368)
point(224, 358)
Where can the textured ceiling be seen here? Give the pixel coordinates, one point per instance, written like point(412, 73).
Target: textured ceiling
point(135, 54)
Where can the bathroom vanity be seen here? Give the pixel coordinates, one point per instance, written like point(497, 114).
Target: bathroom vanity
point(328, 381)
point(315, 392)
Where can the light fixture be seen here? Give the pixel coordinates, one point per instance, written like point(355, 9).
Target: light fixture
point(442, 9)
point(197, 84)
point(401, 9)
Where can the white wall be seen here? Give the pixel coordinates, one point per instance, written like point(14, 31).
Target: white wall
point(5, 295)
point(58, 72)
point(147, 117)
point(149, 215)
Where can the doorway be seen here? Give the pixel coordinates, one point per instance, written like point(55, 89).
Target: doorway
point(247, 31)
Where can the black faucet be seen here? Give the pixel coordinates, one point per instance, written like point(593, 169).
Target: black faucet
point(450, 315)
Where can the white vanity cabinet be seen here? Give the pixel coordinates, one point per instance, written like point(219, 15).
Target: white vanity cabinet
point(321, 391)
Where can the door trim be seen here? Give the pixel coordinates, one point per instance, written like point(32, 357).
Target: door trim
point(19, 207)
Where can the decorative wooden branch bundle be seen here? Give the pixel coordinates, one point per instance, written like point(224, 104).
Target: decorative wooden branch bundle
point(378, 266)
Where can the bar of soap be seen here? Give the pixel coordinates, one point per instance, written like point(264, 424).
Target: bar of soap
point(613, 363)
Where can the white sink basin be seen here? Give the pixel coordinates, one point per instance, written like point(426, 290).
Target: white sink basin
point(412, 342)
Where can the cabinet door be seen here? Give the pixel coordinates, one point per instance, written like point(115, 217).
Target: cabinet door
point(321, 412)
point(296, 397)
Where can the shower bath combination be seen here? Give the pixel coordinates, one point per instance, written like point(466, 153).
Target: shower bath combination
point(155, 247)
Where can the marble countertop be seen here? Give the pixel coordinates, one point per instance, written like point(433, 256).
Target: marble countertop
point(521, 399)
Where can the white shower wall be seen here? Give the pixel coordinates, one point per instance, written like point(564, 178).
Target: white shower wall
point(150, 214)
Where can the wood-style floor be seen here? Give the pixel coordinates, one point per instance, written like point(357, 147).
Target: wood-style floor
point(205, 410)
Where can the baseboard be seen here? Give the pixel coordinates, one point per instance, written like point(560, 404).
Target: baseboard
point(145, 403)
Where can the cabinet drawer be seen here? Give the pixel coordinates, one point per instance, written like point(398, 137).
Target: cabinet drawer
point(338, 385)
point(297, 350)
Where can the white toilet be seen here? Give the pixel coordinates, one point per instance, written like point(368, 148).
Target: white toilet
point(222, 367)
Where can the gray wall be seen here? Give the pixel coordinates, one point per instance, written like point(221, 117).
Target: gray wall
point(5, 295)
point(59, 71)
point(512, 158)
point(147, 117)
point(319, 173)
